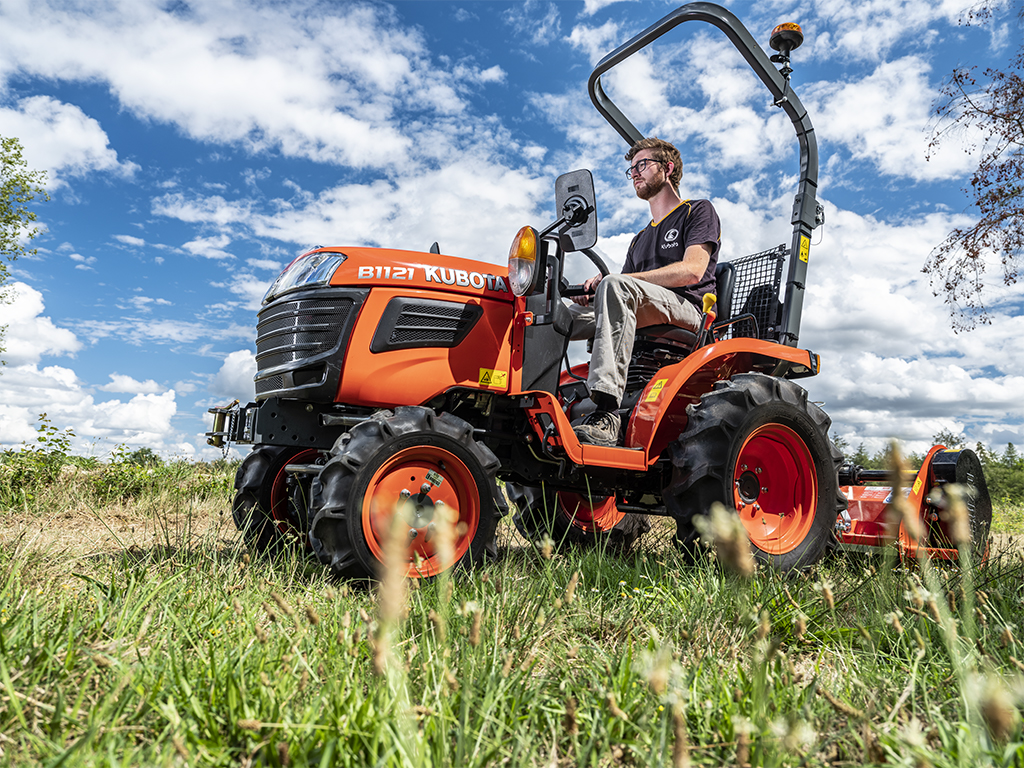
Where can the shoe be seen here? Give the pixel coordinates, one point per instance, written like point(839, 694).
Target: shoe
point(599, 428)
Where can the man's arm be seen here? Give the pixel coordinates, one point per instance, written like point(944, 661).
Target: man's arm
point(687, 271)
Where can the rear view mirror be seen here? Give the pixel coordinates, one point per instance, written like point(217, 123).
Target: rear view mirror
point(576, 202)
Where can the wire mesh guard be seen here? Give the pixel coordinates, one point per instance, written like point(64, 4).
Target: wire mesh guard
point(756, 293)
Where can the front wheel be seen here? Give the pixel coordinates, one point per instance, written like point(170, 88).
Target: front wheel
point(271, 505)
point(574, 519)
point(758, 446)
point(408, 474)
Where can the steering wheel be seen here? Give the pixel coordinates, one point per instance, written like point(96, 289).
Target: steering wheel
point(577, 289)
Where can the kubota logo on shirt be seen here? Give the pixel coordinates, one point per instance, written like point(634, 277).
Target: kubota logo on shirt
point(671, 235)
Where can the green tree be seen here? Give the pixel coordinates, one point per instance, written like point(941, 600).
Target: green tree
point(19, 188)
point(949, 439)
point(989, 104)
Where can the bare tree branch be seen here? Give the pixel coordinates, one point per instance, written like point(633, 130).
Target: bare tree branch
point(992, 103)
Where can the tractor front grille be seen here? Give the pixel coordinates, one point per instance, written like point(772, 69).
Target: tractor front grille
point(296, 330)
point(300, 341)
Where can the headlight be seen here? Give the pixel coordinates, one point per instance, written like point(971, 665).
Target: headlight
point(522, 261)
point(310, 269)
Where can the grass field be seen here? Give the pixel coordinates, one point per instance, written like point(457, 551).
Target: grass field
point(141, 633)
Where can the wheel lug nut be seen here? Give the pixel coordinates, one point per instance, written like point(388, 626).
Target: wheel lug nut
point(425, 488)
point(405, 493)
point(438, 503)
point(764, 489)
point(413, 533)
point(757, 470)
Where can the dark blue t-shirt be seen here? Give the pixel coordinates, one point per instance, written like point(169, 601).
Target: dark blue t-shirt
point(663, 243)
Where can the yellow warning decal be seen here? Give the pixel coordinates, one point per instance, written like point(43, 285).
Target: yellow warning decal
point(917, 485)
point(805, 247)
point(655, 390)
point(492, 378)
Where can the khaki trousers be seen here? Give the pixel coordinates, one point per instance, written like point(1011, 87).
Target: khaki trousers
point(623, 304)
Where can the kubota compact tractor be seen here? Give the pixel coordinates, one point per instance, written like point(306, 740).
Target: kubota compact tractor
point(392, 384)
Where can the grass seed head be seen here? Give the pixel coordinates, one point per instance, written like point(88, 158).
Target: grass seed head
point(997, 708)
point(474, 632)
point(249, 725)
point(681, 743)
point(451, 681)
point(800, 626)
point(271, 613)
point(312, 616)
point(444, 521)
point(283, 604)
point(282, 754)
point(437, 622)
point(547, 547)
point(381, 654)
point(764, 625)
point(1006, 637)
point(894, 619)
point(392, 593)
point(569, 721)
point(958, 515)
point(826, 594)
point(726, 533)
point(570, 590)
point(613, 707)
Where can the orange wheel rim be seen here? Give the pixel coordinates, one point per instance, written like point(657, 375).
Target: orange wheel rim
point(279, 497)
point(588, 514)
point(775, 488)
point(418, 484)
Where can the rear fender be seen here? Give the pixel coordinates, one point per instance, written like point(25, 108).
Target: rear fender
point(660, 413)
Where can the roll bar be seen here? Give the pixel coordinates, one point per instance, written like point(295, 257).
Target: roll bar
point(805, 206)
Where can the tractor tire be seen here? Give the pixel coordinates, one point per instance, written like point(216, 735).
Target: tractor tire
point(570, 519)
point(407, 463)
point(270, 509)
point(755, 444)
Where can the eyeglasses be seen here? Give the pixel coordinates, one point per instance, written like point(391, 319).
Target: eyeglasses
point(640, 167)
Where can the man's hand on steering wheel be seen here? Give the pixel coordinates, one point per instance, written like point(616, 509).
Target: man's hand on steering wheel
point(589, 289)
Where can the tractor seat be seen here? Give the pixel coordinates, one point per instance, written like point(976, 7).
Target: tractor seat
point(683, 338)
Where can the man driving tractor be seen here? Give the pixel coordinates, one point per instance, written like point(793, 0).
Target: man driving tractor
point(669, 267)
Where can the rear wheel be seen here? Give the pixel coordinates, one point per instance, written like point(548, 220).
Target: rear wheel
point(271, 505)
point(574, 519)
point(394, 476)
point(755, 444)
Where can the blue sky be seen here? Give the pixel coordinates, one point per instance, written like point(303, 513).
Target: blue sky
point(194, 148)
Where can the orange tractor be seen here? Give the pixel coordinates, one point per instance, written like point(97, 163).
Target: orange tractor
point(395, 384)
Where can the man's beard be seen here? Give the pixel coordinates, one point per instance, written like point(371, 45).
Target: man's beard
point(647, 190)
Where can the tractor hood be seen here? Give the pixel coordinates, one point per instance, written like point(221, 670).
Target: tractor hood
point(370, 267)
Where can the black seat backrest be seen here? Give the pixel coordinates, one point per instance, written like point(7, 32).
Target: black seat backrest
point(725, 281)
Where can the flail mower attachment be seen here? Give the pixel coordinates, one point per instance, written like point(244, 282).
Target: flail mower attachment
point(946, 504)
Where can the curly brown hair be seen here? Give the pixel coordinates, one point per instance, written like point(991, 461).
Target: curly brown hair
point(663, 152)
